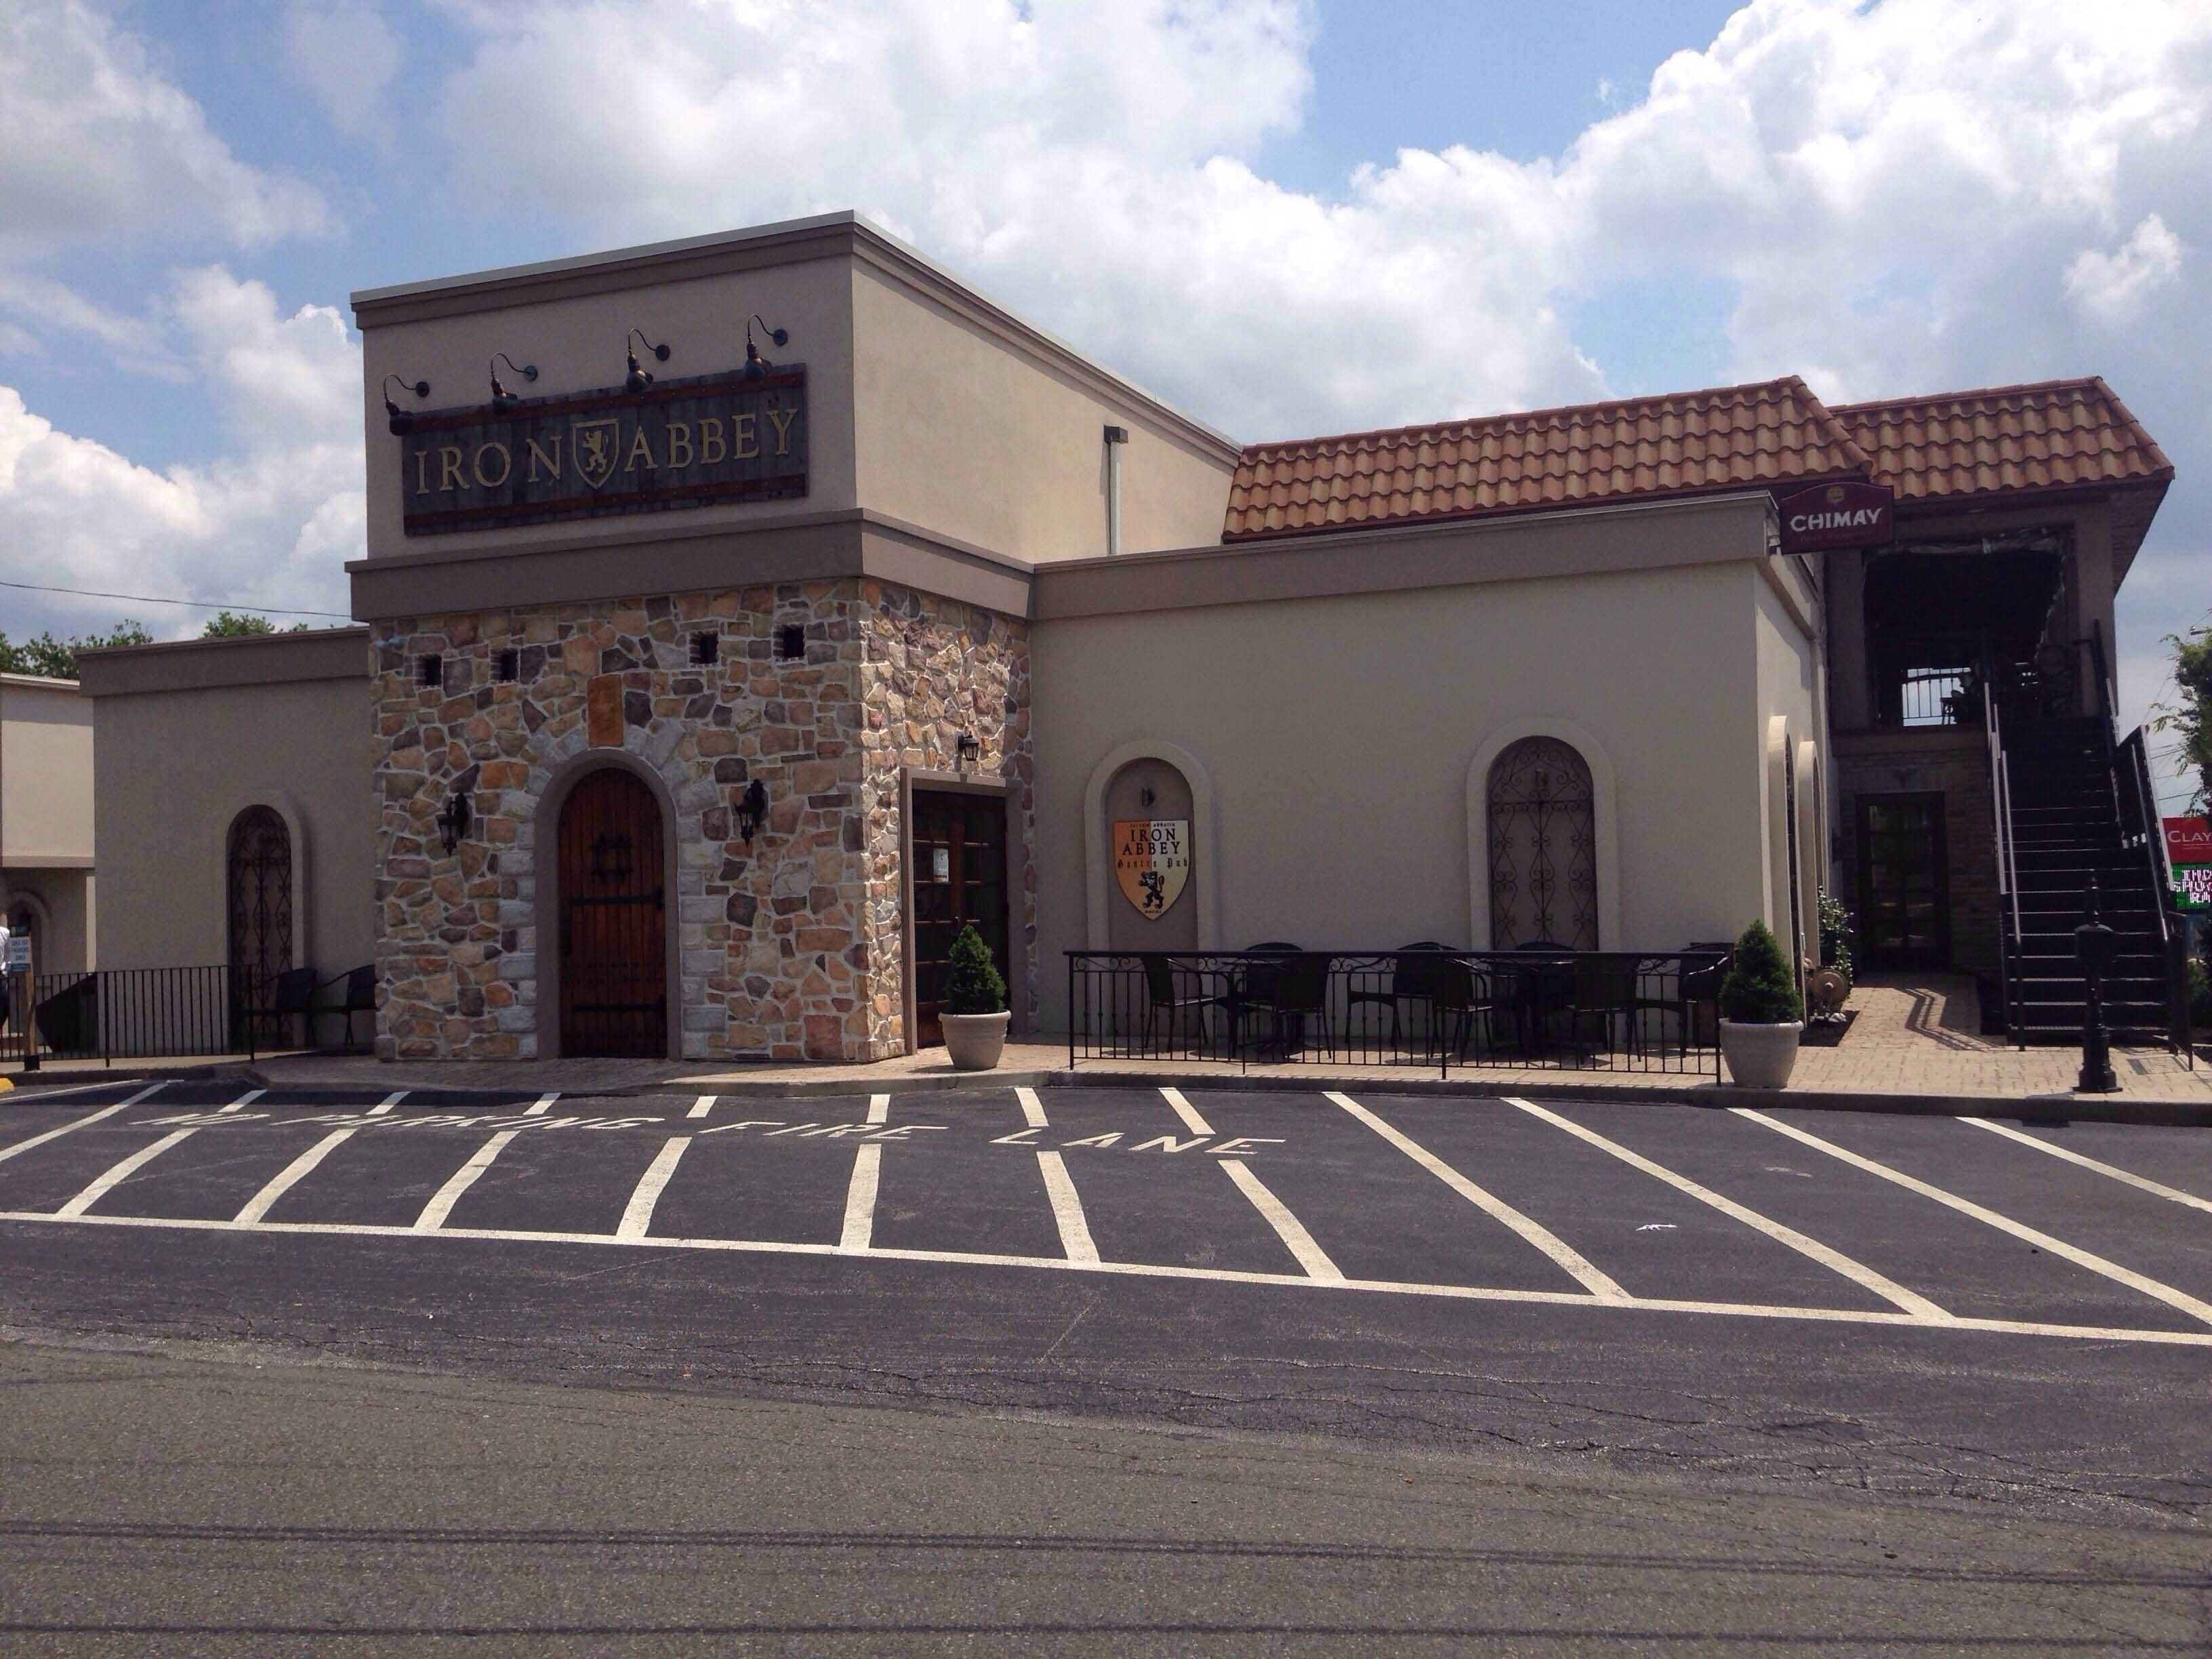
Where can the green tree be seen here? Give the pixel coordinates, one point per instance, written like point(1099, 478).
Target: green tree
point(2191, 716)
point(1759, 989)
point(972, 983)
point(56, 659)
point(227, 627)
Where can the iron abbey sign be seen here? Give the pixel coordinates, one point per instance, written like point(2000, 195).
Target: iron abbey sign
point(1151, 862)
point(1836, 515)
point(679, 443)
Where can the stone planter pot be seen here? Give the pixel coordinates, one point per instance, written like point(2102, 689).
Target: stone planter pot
point(974, 1041)
point(1760, 1056)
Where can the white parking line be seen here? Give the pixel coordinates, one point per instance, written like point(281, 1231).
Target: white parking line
point(241, 1103)
point(702, 1106)
point(44, 1096)
point(1032, 1108)
point(1888, 1289)
point(1584, 1272)
point(291, 1175)
point(442, 1204)
point(56, 1135)
point(2133, 1179)
point(383, 1108)
point(1631, 1307)
point(1067, 1208)
point(861, 1198)
point(879, 1108)
point(637, 1215)
point(121, 1173)
point(1288, 1228)
point(2059, 1247)
point(1307, 1254)
point(544, 1105)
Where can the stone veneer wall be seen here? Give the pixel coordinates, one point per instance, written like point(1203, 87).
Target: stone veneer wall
point(790, 948)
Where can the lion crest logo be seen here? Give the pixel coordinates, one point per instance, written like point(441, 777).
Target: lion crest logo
point(596, 443)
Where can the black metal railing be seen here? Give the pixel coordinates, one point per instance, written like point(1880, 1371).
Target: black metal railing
point(2140, 828)
point(1940, 696)
point(1624, 1010)
point(127, 1013)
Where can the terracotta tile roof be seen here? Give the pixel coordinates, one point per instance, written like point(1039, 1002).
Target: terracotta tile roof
point(1685, 443)
point(2056, 435)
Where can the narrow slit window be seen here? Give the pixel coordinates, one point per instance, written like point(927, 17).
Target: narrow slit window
point(706, 649)
point(430, 671)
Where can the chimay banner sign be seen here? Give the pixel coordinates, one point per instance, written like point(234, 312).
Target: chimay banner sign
point(1836, 515)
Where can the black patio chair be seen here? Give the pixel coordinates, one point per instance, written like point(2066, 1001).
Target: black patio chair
point(288, 995)
point(1414, 971)
point(1162, 1002)
point(360, 999)
point(1300, 996)
point(1603, 992)
point(1536, 986)
point(1464, 995)
point(1252, 985)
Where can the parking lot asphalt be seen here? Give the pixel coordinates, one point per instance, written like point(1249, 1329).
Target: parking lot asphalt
point(1952, 1304)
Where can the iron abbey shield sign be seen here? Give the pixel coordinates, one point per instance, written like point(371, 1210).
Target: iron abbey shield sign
point(1152, 860)
point(693, 442)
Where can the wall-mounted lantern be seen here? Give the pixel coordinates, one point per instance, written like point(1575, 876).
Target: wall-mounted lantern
point(502, 400)
point(399, 420)
point(966, 747)
point(639, 378)
point(752, 808)
point(454, 821)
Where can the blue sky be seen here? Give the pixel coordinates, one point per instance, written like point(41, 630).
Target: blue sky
point(1287, 216)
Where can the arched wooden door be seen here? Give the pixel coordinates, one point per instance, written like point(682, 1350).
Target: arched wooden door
point(258, 881)
point(614, 919)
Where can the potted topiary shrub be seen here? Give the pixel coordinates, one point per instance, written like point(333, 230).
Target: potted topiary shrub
point(974, 1014)
point(1762, 1015)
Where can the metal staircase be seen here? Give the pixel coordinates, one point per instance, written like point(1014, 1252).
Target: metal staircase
point(2067, 830)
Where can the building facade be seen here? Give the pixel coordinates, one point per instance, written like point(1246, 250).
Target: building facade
point(741, 616)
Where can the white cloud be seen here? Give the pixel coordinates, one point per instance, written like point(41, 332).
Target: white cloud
point(273, 522)
point(101, 147)
point(345, 53)
point(2114, 287)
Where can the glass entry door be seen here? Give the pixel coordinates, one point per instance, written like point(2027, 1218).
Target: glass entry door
point(1904, 890)
point(956, 850)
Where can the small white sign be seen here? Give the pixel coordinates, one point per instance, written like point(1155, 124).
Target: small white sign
point(940, 864)
point(19, 955)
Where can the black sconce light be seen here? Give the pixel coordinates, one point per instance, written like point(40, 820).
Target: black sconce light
point(966, 747)
point(638, 378)
point(454, 821)
point(398, 419)
point(756, 367)
point(502, 400)
point(752, 809)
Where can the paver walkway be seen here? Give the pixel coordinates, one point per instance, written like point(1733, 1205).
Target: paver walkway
point(1913, 1037)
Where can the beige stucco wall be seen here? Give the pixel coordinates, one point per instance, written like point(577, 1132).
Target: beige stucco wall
point(46, 773)
point(175, 766)
point(1336, 736)
point(576, 342)
point(60, 906)
point(962, 430)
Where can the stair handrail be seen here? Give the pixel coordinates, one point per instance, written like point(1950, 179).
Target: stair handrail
point(2007, 869)
point(2139, 823)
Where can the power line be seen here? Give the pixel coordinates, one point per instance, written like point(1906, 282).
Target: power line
point(197, 605)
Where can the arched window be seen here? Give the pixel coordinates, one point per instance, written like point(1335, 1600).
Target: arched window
point(258, 881)
point(1543, 847)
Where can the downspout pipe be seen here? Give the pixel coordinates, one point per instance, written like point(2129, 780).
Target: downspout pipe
point(1117, 438)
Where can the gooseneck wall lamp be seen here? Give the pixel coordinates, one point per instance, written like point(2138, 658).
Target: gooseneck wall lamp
point(756, 367)
point(502, 400)
point(397, 418)
point(638, 378)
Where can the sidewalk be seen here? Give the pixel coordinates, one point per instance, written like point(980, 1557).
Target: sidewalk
point(1913, 1047)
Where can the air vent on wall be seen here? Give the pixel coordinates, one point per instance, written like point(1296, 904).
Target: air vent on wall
point(791, 641)
point(706, 648)
point(430, 671)
point(507, 665)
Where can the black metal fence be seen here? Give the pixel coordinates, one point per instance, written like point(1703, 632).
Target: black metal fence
point(1619, 1010)
point(124, 1013)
